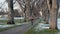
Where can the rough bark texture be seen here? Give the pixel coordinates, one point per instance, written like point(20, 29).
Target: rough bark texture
point(10, 9)
point(52, 5)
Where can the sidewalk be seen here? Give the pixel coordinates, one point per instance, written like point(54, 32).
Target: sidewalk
point(20, 29)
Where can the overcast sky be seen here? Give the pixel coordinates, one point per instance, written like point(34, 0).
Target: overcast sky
point(2, 1)
point(16, 5)
point(5, 5)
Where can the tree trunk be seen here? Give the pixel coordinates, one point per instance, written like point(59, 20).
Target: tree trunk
point(10, 5)
point(47, 17)
point(25, 19)
point(53, 19)
point(52, 5)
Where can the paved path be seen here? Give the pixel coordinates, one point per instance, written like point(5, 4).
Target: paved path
point(20, 29)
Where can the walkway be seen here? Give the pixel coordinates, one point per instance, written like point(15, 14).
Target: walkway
point(20, 29)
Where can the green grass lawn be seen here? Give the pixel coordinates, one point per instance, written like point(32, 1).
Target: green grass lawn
point(45, 31)
point(3, 21)
point(16, 21)
point(19, 20)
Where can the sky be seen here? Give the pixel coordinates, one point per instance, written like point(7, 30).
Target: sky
point(5, 5)
point(2, 1)
point(16, 5)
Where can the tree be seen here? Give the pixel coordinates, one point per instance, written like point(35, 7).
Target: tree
point(44, 10)
point(53, 9)
point(10, 8)
point(26, 9)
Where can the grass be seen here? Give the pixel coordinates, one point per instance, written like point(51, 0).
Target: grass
point(19, 20)
point(3, 20)
point(16, 21)
point(45, 31)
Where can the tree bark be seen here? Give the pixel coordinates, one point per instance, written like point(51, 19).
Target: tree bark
point(53, 13)
point(47, 17)
point(10, 8)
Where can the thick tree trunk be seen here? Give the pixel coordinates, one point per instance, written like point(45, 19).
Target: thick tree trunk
point(53, 19)
point(10, 5)
point(52, 5)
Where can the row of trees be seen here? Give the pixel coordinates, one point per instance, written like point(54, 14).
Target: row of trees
point(49, 9)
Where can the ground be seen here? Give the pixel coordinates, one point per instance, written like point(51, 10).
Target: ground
point(37, 28)
point(20, 29)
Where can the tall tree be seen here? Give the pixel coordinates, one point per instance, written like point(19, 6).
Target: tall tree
point(23, 3)
point(10, 9)
point(53, 9)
